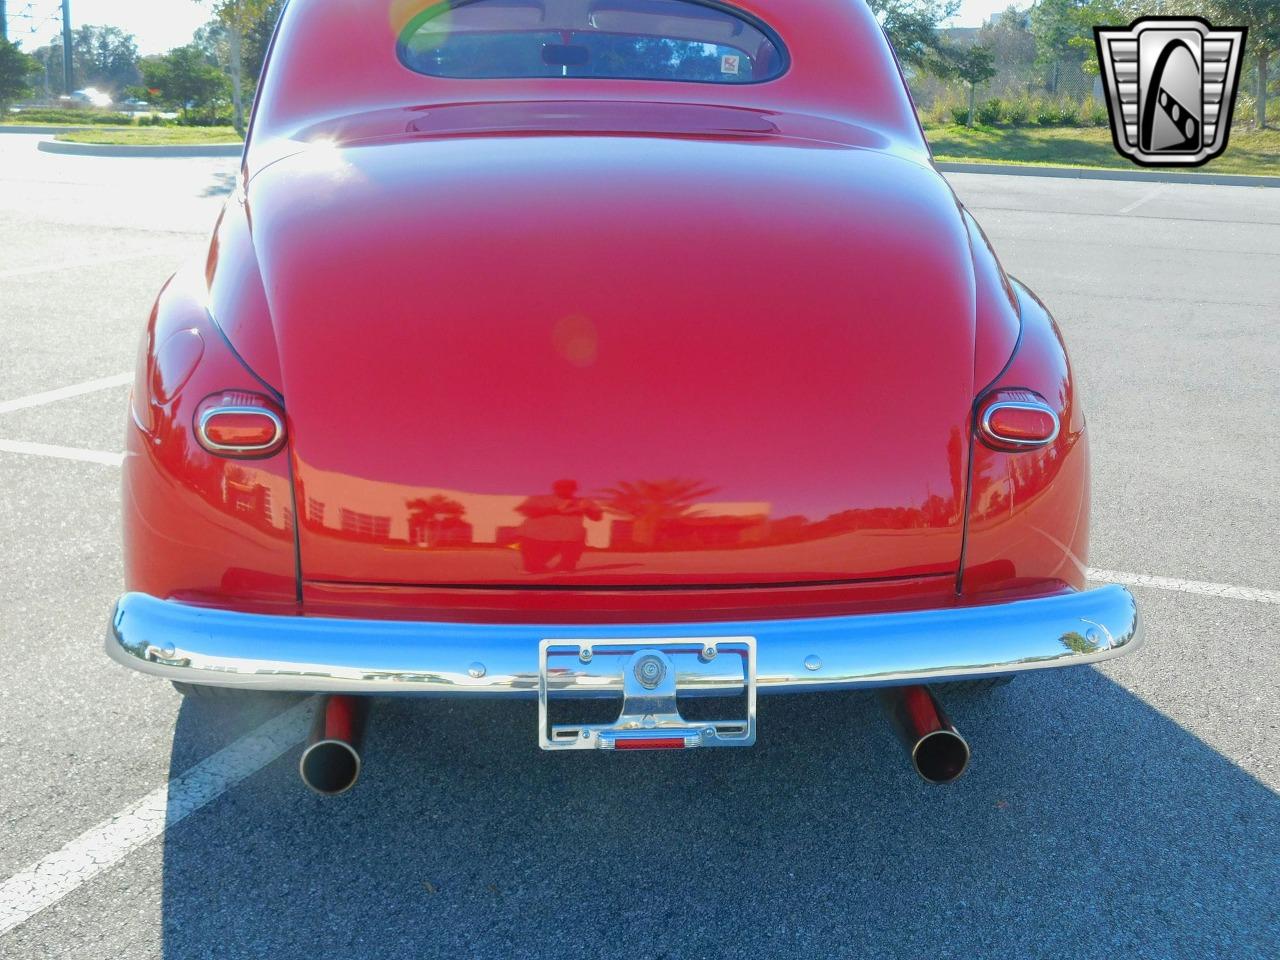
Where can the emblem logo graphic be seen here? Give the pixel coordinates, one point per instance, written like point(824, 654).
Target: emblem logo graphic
point(1171, 86)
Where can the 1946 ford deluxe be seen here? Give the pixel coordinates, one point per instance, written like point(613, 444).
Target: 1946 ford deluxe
point(583, 350)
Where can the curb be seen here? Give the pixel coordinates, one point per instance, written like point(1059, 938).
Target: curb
point(36, 129)
point(138, 150)
point(1095, 173)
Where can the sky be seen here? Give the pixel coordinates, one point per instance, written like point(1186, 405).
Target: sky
point(161, 25)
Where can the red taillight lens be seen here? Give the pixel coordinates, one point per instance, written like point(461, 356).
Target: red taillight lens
point(1016, 420)
point(240, 425)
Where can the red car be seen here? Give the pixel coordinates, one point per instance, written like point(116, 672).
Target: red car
point(580, 349)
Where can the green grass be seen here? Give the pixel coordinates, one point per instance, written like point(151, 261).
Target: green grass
point(152, 136)
point(1248, 151)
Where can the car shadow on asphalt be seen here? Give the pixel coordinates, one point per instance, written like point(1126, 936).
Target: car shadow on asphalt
point(1089, 825)
point(222, 184)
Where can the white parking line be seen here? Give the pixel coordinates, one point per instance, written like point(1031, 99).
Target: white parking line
point(62, 453)
point(47, 881)
point(1150, 195)
point(62, 393)
point(1185, 586)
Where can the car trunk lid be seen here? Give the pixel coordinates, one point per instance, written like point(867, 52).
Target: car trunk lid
point(557, 361)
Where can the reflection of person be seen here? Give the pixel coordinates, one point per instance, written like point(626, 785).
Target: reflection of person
point(555, 526)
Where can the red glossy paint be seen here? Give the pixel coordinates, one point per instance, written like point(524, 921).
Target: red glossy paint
point(199, 527)
point(550, 348)
point(1028, 526)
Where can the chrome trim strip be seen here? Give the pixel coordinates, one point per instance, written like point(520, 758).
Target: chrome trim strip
point(225, 648)
point(212, 447)
point(1021, 405)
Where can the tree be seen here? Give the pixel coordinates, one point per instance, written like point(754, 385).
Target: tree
point(103, 57)
point(1063, 33)
point(973, 64)
point(1262, 17)
point(106, 57)
point(912, 28)
point(184, 78)
point(241, 18)
point(16, 70)
point(1008, 35)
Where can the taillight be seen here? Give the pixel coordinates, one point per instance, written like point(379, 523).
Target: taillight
point(238, 424)
point(1017, 420)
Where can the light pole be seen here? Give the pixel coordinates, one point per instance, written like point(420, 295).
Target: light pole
point(68, 74)
point(4, 22)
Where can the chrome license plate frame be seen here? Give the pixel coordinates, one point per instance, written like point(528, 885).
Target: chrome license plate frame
point(647, 674)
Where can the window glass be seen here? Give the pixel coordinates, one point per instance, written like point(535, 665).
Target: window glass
point(625, 39)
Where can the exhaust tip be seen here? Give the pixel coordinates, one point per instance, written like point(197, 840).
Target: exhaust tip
point(329, 767)
point(940, 756)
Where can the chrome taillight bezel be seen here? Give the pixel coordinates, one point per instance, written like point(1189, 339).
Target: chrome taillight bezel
point(1015, 400)
point(240, 404)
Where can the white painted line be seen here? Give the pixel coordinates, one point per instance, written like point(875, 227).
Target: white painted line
point(47, 881)
point(104, 457)
point(1225, 590)
point(62, 393)
point(1150, 195)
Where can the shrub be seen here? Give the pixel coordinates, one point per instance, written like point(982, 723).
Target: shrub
point(940, 110)
point(1016, 112)
point(1096, 114)
point(1056, 113)
point(990, 113)
point(1044, 113)
point(960, 115)
point(72, 117)
point(206, 117)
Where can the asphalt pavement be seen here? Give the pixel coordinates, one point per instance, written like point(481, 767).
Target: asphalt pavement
point(1128, 810)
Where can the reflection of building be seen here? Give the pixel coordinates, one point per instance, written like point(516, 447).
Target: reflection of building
point(712, 527)
point(438, 517)
point(440, 532)
point(315, 510)
point(365, 526)
point(243, 496)
point(258, 496)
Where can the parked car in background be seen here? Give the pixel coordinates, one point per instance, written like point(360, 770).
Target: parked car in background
point(91, 97)
point(626, 349)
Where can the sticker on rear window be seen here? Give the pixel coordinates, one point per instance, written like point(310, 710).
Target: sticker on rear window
point(729, 63)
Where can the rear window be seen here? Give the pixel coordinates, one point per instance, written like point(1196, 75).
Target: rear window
point(684, 40)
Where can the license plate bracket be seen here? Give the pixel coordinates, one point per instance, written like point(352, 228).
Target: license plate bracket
point(647, 674)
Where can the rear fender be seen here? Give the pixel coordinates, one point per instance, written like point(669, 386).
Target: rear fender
point(199, 527)
point(1027, 528)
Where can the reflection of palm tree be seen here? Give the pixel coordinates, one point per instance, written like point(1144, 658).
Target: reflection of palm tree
point(425, 511)
point(649, 503)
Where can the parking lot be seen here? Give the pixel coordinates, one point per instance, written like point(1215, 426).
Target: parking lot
point(1125, 811)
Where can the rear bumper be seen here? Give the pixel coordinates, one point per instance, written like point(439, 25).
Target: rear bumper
point(224, 648)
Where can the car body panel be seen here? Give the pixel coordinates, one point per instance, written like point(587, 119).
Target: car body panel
point(734, 423)
point(749, 323)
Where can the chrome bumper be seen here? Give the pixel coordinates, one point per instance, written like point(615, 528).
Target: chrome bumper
point(224, 648)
